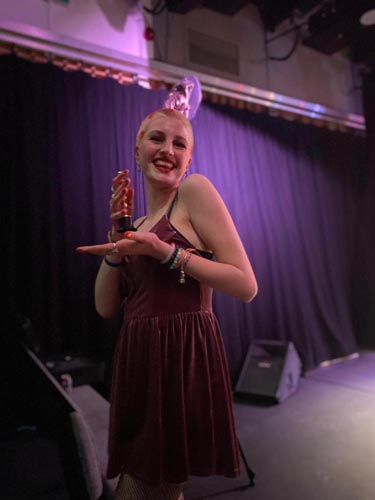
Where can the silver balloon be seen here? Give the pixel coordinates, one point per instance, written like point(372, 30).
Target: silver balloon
point(185, 96)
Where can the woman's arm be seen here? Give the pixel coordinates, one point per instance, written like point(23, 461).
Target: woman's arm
point(109, 287)
point(109, 293)
point(232, 272)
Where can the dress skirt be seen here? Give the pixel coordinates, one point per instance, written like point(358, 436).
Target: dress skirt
point(171, 399)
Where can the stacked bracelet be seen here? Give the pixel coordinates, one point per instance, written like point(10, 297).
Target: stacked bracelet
point(185, 259)
point(112, 264)
point(176, 258)
point(172, 255)
point(169, 256)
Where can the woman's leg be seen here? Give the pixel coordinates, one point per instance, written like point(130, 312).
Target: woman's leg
point(130, 488)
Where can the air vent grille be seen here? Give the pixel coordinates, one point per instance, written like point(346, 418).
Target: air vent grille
point(214, 53)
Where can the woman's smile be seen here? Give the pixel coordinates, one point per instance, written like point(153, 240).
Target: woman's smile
point(164, 165)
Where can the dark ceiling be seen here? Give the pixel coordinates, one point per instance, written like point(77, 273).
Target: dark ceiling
point(329, 25)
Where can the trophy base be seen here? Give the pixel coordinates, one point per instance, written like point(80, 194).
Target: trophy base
point(126, 224)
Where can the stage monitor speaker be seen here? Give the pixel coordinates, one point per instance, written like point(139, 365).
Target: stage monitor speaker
point(271, 369)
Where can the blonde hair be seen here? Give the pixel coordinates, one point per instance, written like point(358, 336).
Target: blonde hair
point(169, 113)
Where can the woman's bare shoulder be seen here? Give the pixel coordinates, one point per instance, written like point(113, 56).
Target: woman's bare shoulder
point(195, 178)
point(196, 185)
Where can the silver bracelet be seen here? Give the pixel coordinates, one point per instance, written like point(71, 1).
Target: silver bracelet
point(164, 261)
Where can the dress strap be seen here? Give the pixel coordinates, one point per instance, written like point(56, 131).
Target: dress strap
point(171, 206)
point(140, 224)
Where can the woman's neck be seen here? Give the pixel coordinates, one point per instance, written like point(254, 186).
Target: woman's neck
point(158, 201)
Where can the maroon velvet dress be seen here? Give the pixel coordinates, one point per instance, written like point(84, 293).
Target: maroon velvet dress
point(171, 401)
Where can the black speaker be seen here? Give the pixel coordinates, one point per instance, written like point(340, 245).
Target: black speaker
point(271, 369)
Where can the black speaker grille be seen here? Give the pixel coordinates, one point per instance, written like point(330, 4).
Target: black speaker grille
point(268, 368)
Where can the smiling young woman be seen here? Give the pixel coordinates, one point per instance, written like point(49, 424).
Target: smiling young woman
point(171, 402)
point(164, 146)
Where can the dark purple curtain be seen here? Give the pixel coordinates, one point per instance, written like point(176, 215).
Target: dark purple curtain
point(295, 193)
point(364, 285)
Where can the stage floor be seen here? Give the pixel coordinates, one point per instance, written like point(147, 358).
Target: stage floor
point(316, 445)
point(319, 444)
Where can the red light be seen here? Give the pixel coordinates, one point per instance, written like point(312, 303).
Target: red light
point(149, 34)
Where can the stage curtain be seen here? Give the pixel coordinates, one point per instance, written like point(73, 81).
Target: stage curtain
point(294, 191)
point(363, 290)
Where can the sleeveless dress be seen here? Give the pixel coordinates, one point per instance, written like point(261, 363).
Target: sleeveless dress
point(171, 401)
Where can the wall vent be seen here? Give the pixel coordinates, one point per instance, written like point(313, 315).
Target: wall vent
point(214, 53)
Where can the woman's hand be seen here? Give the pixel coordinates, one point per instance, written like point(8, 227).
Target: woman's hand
point(121, 202)
point(132, 244)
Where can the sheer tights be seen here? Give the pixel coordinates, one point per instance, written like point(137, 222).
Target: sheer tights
point(130, 488)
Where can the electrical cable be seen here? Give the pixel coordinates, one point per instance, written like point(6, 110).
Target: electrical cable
point(297, 30)
point(157, 9)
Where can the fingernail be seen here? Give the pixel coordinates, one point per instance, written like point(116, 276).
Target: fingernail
point(129, 235)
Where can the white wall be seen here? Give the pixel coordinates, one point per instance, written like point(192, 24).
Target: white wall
point(113, 24)
point(307, 75)
point(119, 25)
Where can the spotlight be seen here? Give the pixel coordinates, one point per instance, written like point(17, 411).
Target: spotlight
point(368, 18)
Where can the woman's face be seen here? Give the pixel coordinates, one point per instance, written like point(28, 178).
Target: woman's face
point(164, 149)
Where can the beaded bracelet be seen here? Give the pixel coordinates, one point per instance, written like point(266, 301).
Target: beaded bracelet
point(112, 264)
point(177, 258)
